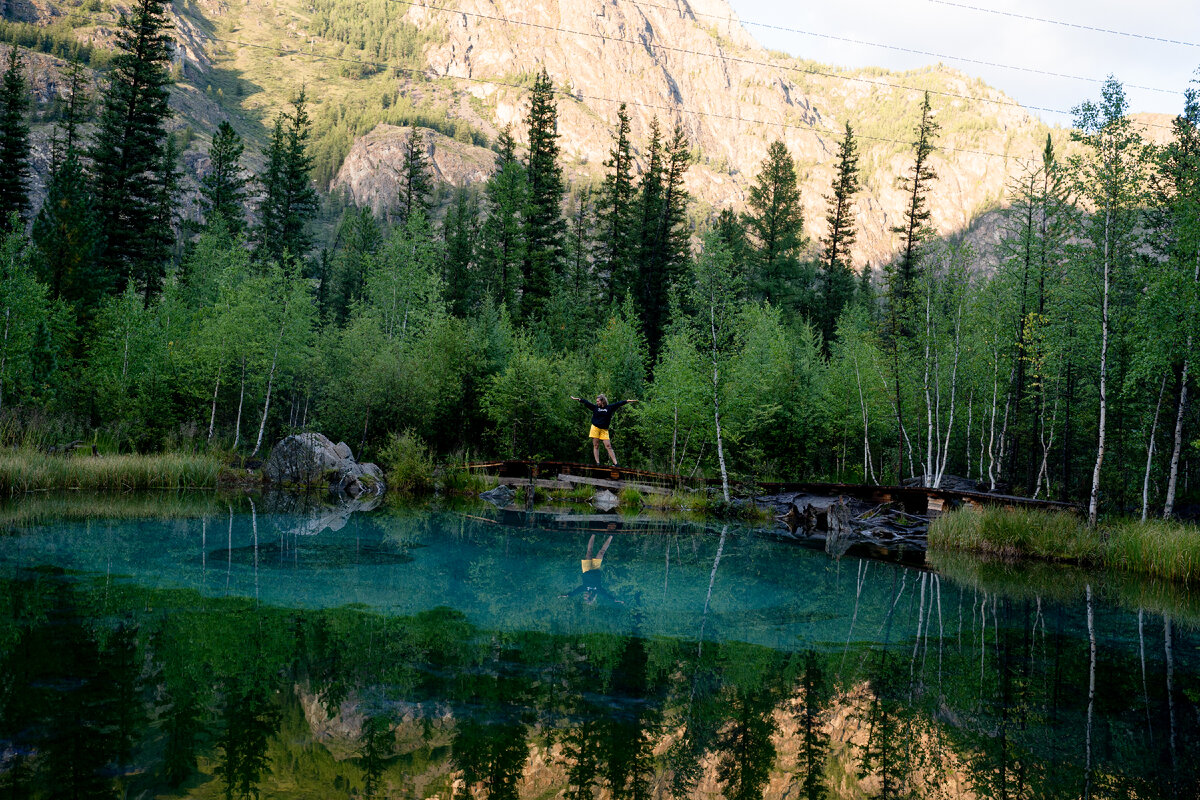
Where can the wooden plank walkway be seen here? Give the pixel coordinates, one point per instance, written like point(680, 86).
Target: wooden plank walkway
point(913, 499)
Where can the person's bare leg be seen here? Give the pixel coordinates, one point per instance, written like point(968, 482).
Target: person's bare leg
point(611, 454)
point(591, 542)
point(596, 450)
point(604, 547)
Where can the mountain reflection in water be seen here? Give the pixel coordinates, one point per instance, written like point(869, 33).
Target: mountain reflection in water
point(434, 655)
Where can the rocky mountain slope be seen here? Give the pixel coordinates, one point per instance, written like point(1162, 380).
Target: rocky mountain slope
point(463, 68)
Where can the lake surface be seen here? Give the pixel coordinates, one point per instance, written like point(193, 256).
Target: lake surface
point(230, 652)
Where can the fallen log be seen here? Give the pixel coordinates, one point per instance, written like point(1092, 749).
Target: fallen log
point(607, 484)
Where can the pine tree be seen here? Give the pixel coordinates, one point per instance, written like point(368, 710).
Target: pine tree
point(415, 185)
point(916, 228)
point(836, 277)
point(223, 188)
point(543, 208)
point(289, 200)
point(615, 213)
point(14, 139)
point(775, 228)
point(502, 244)
point(127, 153)
point(358, 240)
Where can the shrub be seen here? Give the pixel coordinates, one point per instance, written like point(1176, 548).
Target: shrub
point(408, 463)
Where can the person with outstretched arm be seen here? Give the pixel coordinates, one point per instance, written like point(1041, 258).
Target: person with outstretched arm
point(592, 587)
point(602, 412)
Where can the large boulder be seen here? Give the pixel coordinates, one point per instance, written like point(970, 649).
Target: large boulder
point(311, 459)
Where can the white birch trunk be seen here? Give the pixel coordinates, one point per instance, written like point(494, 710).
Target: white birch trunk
point(868, 467)
point(1173, 479)
point(237, 426)
point(4, 355)
point(262, 425)
point(1094, 501)
point(1150, 452)
point(212, 416)
point(712, 318)
point(929, 413)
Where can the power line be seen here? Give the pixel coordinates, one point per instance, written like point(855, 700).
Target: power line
point(1075, 25)
point(913, 51)
point(734, 59)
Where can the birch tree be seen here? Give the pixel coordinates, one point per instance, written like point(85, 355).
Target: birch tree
point(1110, 174)
point(716, 295)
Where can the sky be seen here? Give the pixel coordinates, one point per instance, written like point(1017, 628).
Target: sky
point(1155, 64)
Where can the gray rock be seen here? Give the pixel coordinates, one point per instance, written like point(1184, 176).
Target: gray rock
point(311, 459)
point(500, 497)
point(605, 500)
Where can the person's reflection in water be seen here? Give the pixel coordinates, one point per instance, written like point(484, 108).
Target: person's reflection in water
point(592, 585)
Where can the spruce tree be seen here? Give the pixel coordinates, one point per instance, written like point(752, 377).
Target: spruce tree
point(775, 227)
point(615, 213)
point(543, 207)
point(502, 245)
point(915, 228)
point(358, 240)
point(415, 185)
point(664, 249)
point(223, 188)
point(289, 200)
point(14, 139)
point(127, 153)
point(836, 276)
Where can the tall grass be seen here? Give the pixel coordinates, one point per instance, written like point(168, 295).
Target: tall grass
point(26, 471)
point(1167, 550)
point(1058, 536)
point(42, 507)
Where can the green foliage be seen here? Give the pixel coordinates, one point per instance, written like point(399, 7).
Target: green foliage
point(24, 318)
point(1169, 550)
point(543, 207)
point(407, 462)
point(57, 39)
point(223, 188)
point(289, 200)
point(775, 226)
point(529, 403)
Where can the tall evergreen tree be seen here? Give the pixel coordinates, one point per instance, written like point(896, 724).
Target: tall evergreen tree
point(127, 153)
point(502, 243)
point(460, 232)
point(66, 232)
point(289, 200)
point(223, 188)
point(664, 247)
point(358, 240)
point(836, 276)
point(615, 213)
point(915, 228)
point(543, 208)
point(415, 185)
point(775, 225)
point(14, 139)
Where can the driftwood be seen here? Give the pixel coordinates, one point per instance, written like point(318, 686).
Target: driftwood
point(641, 487)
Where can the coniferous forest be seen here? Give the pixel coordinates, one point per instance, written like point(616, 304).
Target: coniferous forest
point(1061, 368)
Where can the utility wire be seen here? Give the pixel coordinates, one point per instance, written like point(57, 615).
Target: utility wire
point(898, 48)
point(729, 58)
point(1076, 25)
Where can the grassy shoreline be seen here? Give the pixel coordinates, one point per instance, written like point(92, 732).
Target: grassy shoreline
point(1157, 548)
point(24, 471)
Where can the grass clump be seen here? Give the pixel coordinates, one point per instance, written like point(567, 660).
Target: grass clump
point(408, 463)
point(1167, 549)
point(631, 498)
point(1057, 536)
point(27, 471)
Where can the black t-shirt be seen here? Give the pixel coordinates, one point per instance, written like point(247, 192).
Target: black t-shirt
point(602, 416)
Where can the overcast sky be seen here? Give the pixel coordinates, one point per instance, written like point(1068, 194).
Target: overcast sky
point(958, 30)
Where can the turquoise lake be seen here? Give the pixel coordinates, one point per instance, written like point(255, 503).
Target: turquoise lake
point(212, 648)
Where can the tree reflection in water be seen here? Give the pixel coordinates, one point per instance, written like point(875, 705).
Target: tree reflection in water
point(930, 688)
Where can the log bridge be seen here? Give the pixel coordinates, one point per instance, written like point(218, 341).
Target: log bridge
point(920, 500)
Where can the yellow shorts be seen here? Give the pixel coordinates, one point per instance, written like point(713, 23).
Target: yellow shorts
point(597, 433)
point(590, 564)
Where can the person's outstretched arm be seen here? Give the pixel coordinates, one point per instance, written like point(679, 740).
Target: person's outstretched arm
point(589, 406)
